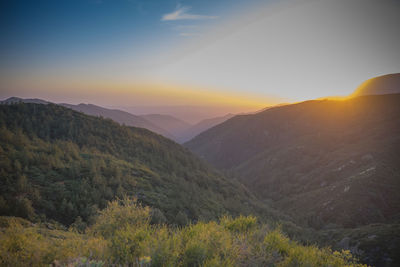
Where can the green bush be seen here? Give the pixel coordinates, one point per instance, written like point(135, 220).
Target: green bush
point(241, 224)
point(120, 214)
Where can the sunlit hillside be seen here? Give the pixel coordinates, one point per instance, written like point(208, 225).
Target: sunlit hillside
point(331, 164)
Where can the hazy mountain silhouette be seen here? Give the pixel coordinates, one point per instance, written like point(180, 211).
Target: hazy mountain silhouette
point(181, 130)
point(119, 116)
point(191, 114)
point(166, 125)
point(202, 126)
point(170, 123)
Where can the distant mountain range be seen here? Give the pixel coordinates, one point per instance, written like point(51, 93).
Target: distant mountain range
point(201, 126)
point(183, 131)
point(119, 116)
point(166, 125)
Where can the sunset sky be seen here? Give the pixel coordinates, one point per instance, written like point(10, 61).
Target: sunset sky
point(248, 53)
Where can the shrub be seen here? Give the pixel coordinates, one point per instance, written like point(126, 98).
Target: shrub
point(118, 215)
point(123, 235)
point(157, 216)
point(34, 246)
point(241, 224)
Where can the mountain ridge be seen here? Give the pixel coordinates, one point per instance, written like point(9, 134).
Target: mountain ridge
point(385, 84)
point(166, 125)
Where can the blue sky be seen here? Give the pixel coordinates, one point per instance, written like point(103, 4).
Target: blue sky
point(64, 30)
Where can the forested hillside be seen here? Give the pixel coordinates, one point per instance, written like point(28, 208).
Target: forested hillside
point(59, 164)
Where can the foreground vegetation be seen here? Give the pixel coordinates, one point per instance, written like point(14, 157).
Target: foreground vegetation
point(123, 234)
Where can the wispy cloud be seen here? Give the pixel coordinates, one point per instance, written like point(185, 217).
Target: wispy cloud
point(182, 13)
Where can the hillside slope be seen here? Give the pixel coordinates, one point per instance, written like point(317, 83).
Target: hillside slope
point(60, 164)
point(324, 161)
point(331, 165)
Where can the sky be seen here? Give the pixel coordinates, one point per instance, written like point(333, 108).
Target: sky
point(246, 54)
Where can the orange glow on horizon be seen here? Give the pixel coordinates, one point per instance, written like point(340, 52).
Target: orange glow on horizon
point(145, 93)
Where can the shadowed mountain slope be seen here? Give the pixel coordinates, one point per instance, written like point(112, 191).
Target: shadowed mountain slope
point(331, 165)
point(323, 161)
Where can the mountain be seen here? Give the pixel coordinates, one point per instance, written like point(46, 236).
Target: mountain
point(166, 125)
point(298, 153)
point(386, 84)
point(180, 130)
point(15, 100)
point(119, 116)
point(330, 164)
point(62, 165)
point(171, 124)
point(201, 126)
